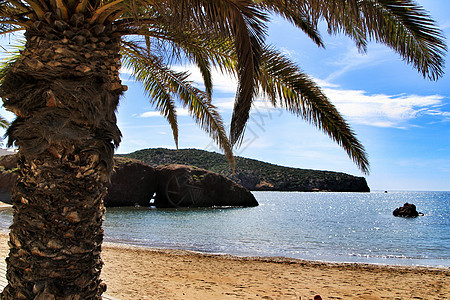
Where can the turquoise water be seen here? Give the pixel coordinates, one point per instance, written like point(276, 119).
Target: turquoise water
point(333, 227)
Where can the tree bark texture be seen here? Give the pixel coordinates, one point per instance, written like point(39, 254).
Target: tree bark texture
point(64, 90)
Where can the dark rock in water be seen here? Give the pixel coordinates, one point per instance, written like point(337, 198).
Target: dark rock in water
point(132, 183)
point(185, 186)
point(408, 210)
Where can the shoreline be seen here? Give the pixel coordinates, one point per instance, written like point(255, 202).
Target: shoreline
point(274, 259)
point(137, 272)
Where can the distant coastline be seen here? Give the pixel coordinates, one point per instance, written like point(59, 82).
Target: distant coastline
point(253, 174)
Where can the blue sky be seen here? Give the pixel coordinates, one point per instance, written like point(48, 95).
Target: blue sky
point(401, 118)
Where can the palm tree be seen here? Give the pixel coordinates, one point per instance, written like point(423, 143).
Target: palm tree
point(64, 89)
point(3, 70)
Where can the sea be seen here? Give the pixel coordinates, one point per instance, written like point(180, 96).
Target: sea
point(319, 226)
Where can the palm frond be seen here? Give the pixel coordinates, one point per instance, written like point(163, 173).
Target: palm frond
point(181, 40)
point(163, 84)
point(341, 16)
point(105, 9)
point(286, 86)
point(145, 69)
point(297, 16)
point(4, 123)
point(5, 66)
point(195, 45)
point(37, 9)
point(12, 16)
point(402, 25)
point(244, 23)
point(409, 30)
point(176, 41)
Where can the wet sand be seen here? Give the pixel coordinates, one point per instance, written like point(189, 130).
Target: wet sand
point(142, 273)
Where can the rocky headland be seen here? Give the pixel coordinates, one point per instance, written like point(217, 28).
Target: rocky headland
point(253, 174)
point(197, 178)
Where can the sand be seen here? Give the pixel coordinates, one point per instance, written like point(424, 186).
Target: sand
point(141, 273)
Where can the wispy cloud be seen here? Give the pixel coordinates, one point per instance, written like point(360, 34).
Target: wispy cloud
point(358, 106)
point(352, 60)
point(150, 114)
point(288, 52)
point(126, 75)
point(223, 83)
point(361, 107)
point(384, 110)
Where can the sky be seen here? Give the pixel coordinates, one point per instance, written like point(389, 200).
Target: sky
point(402, 119)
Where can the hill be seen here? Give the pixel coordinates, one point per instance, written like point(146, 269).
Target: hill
point(254, 174)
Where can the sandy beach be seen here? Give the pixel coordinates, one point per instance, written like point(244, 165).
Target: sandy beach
point(141, 273)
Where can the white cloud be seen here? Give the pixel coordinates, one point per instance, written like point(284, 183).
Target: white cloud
point(125, 71)
point(324, 84)
point(384, 110)
point(150, 114)
point(126, 75)
point(354, 60)
point(223, 83)
point(7, 114)
point(288, 52)
point(358, 106)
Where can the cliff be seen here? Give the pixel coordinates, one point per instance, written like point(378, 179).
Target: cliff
point(253, 174)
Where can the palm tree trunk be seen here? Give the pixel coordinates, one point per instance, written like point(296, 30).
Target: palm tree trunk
point(64, 90)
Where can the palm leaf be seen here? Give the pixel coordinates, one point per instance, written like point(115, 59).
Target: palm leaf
point(195, 44)
point(81, 7)
point(4, 123)
point(107, 9)
point(37, 8)
point(162, 84)
point(241, 20)
point(5, 66)
point(402, 25)
point(296, 16)
point(287, 87)
point(341, 16)
point(204, 49)
point(409, 30)
point(145, 69)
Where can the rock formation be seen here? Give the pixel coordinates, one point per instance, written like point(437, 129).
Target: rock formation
point(328, 182)
point(185, 186)
point(407, 210)
point(253, 174)
point(132, 183)
point(136, 183)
